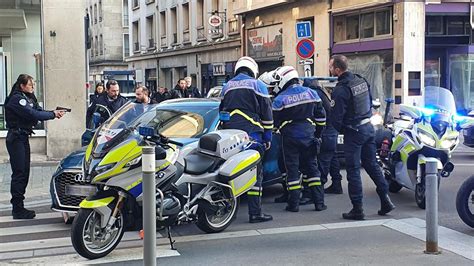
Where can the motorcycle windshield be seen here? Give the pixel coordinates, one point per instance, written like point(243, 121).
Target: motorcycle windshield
point(439, 100)
point(119, 126)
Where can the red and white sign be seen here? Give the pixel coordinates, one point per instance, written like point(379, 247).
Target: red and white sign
point(305, 48)
point(215, 21)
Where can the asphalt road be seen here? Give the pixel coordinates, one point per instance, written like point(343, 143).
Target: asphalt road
point(50, 228)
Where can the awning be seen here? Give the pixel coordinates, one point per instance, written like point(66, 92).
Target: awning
point(12, 19)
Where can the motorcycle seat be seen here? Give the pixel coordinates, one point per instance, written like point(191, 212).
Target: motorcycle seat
point(199, 163)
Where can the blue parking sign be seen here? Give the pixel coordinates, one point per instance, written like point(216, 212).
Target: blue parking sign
point(303, 29)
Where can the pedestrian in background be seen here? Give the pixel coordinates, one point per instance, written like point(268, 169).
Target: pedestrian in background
point(22, 113)
point(98, 91)
point(180, 90)
point(351, 117)
point(193, 91)
point(327, 160)
point(112, 99)
point(142, 95)
point(162, 95)
point(300, 118)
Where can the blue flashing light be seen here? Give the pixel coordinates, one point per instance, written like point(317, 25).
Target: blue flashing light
point(224, 116)
point(146, 131)
point(427, 111)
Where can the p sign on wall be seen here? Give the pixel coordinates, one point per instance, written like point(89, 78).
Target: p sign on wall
point(303, 29)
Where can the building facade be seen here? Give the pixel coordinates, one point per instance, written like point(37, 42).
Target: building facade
point(109, 42)
point(36, 39)
point(174, 39)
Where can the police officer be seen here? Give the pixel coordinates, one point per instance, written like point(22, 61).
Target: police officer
point(22, 113)
point(247, 101)
point(328, 162)
point(300, 118)
point(351, 116)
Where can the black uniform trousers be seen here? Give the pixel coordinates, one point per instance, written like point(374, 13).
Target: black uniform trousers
point(18, 147)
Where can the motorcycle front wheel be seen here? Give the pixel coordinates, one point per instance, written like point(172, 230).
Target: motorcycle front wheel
point(218, 220)
point(89, 239)
point(465, 202)
point(420, 190)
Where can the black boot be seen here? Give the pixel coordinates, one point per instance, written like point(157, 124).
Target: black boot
point(306, 197)
point(260, 218)
point(317, 193)
point(386, 205)
point(22, 213)
point(293, 200)
point(357, 213)
point(334, 188)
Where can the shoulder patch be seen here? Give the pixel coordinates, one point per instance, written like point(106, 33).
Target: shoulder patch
point(22, 102)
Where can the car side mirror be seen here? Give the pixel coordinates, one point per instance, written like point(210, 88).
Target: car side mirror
point(224, 116)
point(160, 153)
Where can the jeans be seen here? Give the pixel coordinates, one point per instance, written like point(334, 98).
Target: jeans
point(359, 149)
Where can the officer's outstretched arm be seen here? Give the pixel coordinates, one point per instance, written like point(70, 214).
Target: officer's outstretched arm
point(23, 109)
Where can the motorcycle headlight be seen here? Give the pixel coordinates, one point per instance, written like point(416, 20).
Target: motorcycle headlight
point(376, 120)
point(103, 168)
point(426, 138)
point(448, 143)
point(133, 162)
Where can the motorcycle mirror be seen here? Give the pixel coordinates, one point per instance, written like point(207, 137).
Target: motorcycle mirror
point(160, 153)
point(389, 100)
point(97, 119)
point(146, 131)
point(411, 111)
point(466, 122)
point(376, 103)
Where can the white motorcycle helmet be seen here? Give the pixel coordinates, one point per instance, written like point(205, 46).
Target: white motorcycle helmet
point(284, 74)
point(249, 63)
point(271, 83)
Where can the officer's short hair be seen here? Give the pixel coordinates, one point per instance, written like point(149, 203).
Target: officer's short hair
point(145, 90)
point(111, 82)
point(339, 61)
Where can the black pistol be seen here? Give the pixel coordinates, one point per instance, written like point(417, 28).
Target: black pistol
point(67, 110)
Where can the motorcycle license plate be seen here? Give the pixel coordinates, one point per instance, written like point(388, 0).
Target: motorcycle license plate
point(340, 139)
point(80, 190)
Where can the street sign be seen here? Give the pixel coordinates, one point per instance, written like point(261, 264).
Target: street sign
point(305, 48)
point(215, 21)
point(306, 61)
point(303, 29)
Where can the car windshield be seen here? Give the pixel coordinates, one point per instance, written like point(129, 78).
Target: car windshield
point(439, 99)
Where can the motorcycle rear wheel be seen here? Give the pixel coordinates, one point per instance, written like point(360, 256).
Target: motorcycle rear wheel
point(464, 198)
point(89, 239)
point(219, 221)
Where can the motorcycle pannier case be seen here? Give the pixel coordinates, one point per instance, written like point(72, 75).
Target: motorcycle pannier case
point(240, 171)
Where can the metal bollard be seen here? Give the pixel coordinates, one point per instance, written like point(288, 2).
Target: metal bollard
point(149, 206)
point(431, 197)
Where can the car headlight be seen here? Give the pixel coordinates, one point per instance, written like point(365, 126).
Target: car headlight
point(102, 168)
point(448, 143)
point(427, 139)
point(376, 120)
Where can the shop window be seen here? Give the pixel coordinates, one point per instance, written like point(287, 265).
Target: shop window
point(21, 53)
point(434, 25)
point(461, 72)
point(456, 25)
point(352, 27)
point(367, 25)
point(383, 22)
point(362, 26)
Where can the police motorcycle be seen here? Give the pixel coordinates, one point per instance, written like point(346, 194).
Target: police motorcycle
point(429, 131)
point(201, 184)
point(465, 202)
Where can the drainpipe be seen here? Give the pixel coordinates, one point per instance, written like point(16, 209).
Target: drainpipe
point(243, 37)
point(331, 28)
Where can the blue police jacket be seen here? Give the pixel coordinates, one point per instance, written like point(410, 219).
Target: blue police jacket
point(23, 112)
point(249, 104)
point(353, 102)
point(298, 112)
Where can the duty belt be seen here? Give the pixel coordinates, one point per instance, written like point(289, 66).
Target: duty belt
point(21, 131)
